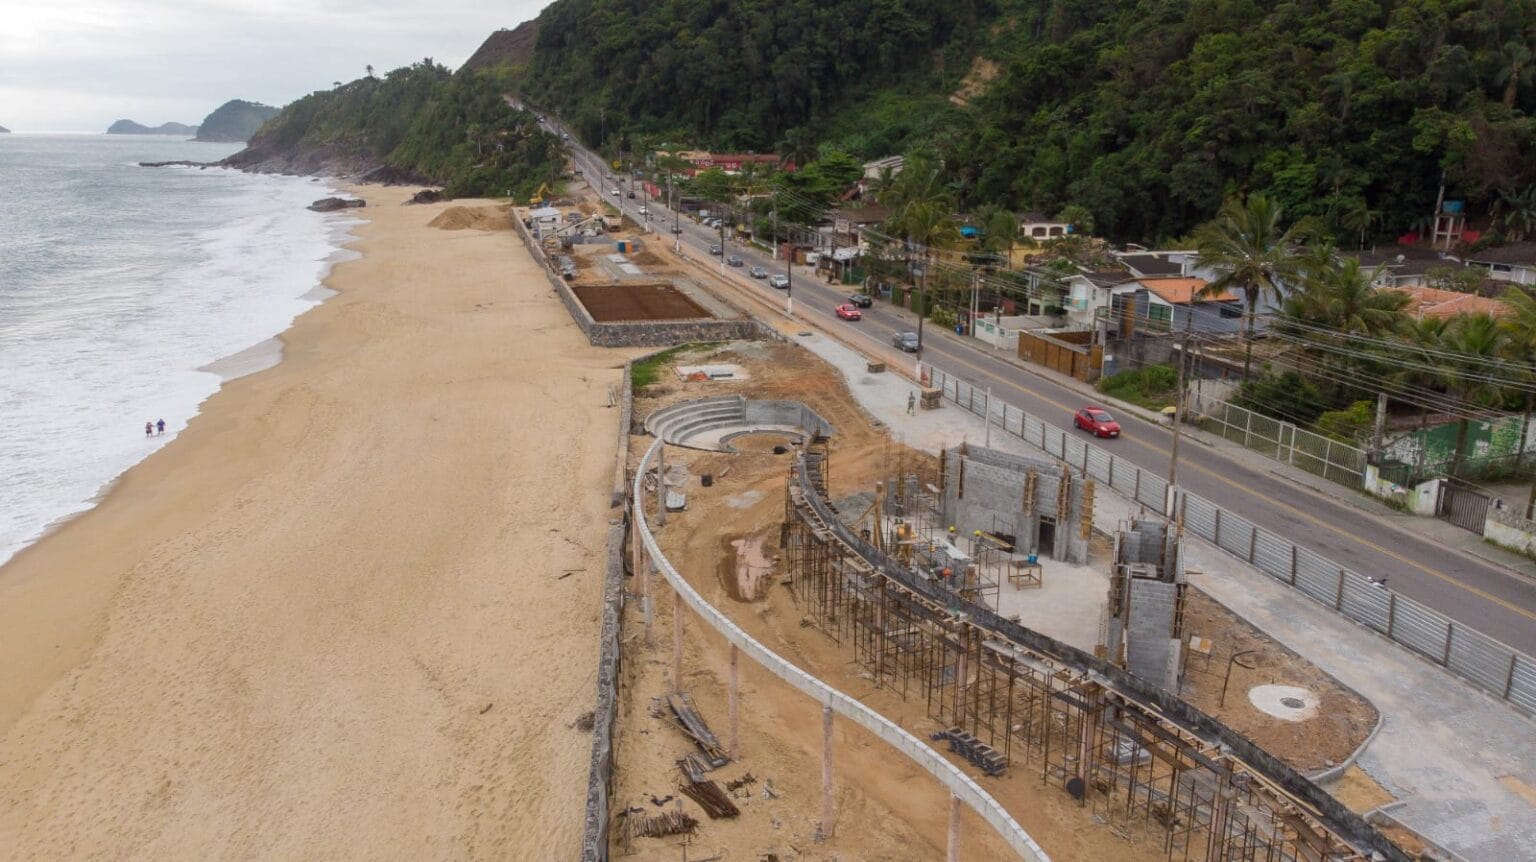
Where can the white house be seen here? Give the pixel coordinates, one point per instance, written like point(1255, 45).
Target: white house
point(1035, 226)
point(1515, 262)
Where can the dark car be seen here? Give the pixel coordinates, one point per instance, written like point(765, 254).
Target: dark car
point(631, 195)
point(716, 250)
point(676, 229)
point(735, 260)
point(861, 300)
point(906, 341)
point(759, 272)
point(1097, 422)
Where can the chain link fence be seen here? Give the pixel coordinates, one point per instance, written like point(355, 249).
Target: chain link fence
point(1283, 441)
point(1482, 661)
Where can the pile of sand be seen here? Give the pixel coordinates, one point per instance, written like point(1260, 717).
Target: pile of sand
point(473, 218)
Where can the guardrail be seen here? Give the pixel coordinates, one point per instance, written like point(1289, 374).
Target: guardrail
point(1489, 664)
point(960, 785)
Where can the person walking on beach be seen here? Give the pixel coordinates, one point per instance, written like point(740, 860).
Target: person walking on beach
point(149, 429)
point(160, 427)
point(911, 403)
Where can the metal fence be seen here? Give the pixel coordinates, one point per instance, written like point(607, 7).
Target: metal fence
point(1283, 441)
point(1489, 664)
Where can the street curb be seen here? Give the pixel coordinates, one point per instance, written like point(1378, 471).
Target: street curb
point(1334, 772)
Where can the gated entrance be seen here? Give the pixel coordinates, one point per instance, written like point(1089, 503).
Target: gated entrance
point(1462, 505)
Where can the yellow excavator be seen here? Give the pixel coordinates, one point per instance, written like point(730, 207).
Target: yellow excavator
point(540, 196)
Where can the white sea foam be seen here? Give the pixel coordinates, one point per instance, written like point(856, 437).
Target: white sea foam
point(110, 320)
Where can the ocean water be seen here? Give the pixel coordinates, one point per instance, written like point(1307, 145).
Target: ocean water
point(119, 287)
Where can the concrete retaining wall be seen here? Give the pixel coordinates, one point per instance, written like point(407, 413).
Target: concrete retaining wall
point(1508, 530)
point(787, 413)
point(594, 836)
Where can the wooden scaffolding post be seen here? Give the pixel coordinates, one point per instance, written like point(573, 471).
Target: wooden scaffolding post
point(825, 830)
point(735, 740)
point(954, 829)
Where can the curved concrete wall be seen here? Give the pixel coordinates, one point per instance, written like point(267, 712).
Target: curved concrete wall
point(722, 416)
point(962, 786)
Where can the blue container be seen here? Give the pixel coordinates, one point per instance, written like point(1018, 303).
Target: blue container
point(1453, 207)
point(968, 232)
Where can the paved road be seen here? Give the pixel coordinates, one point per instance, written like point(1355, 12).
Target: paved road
point(1484, 596)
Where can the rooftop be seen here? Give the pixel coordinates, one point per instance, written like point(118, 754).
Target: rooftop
point(1152, 264)
point(1521, 253)
point(1433, 302)
point(1183, 291)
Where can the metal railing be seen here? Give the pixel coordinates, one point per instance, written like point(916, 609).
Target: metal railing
point(1489, 664)
point(1284, 442)
point(961, 785)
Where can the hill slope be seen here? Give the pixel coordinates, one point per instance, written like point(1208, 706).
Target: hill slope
point(418, 124)
point(234, 121)
point(1146, 112)
point(505, 49)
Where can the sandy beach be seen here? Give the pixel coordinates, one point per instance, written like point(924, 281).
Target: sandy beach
point(328, 621)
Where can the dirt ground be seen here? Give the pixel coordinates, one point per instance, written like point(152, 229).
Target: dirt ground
point(626, 301)
point(1343, 721)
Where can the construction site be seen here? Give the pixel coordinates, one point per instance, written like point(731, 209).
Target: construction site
point(899, 578)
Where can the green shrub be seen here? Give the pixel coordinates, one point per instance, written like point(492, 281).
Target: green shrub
point(1350, 425)
point(1154, 386)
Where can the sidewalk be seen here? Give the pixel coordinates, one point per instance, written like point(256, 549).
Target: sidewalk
point(1462, 765)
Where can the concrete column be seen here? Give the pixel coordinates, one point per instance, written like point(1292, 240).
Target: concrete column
point(825, 830)
point(661, 485)
point(677, 644)
point(954, 829)
point(735, 739)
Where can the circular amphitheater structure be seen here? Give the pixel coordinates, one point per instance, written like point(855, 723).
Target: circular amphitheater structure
point(712, 423)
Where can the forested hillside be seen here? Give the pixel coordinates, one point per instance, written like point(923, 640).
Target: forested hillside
point(1148, 113)
point(419, 122)
point(234, 121)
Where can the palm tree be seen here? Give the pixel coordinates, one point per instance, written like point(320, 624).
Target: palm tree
point(1351, 305)
point(1515, 68)
point(1423, 338)
point(1477, 339)
point(1002, 229)
point(1520, 346)
point(798, 148)
point(1253, 255)
point(1516, 211)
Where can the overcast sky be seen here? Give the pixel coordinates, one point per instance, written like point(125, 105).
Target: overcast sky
point(77, 65)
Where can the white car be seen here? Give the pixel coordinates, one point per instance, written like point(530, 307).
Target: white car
point(642, 209)
point(614, 192)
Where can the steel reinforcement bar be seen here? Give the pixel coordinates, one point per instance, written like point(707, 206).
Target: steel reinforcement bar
point(959, 784)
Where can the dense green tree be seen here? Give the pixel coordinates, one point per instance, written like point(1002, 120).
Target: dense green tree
point(1470, 341)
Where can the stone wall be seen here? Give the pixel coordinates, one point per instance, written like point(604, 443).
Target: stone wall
point(1151, 650)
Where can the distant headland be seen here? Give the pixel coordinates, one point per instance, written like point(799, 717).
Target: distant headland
point(129, 127)
point(234, 121)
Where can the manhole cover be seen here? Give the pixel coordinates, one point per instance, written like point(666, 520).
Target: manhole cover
point(1287, 702)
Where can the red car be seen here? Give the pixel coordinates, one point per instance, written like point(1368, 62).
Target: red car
point(849, 312)
point(1097, 422)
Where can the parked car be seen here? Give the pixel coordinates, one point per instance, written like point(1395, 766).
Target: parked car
point(779, 281)
point(735, 260)
point(716, 250)
point(906, 341)
point(849, 312)
point(861, 300)
point(758, 272)
point(1097, 422)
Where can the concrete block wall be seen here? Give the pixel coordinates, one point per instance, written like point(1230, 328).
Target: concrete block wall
point(1151, 650)
point(993, 500)
point(772, 412)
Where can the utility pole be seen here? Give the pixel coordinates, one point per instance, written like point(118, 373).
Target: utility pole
point(1379, 438)
point(677, 234)
point(1178, 420)
point(922, 303)
point(789, 276)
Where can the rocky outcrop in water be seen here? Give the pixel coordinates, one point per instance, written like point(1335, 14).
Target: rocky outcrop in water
point(428, 196)
point(129, 127)
point(181, 163)
point(326, 205)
